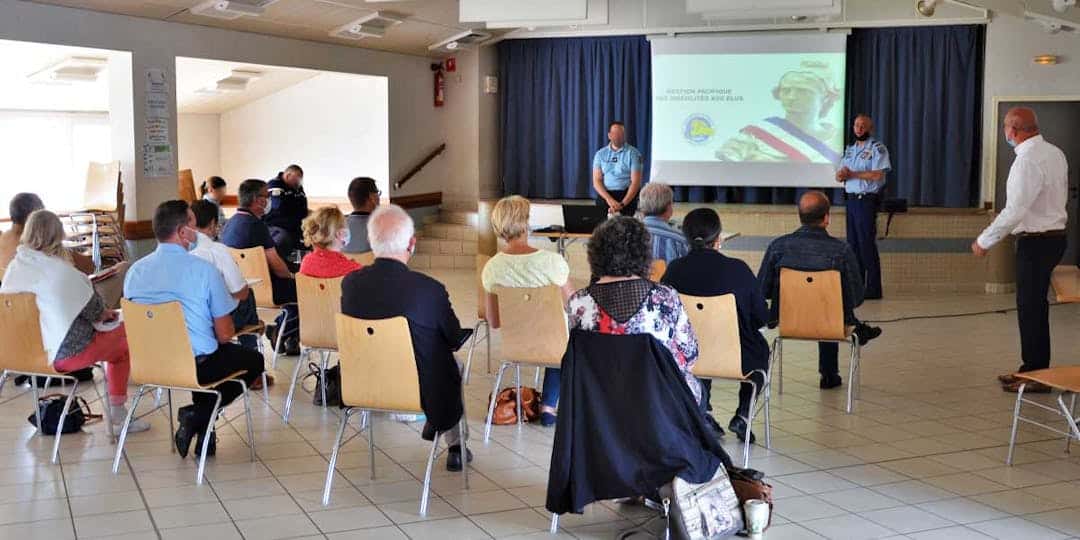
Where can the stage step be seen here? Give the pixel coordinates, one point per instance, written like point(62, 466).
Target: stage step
point(447, 240)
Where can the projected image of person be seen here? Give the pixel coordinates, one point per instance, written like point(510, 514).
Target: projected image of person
point(807, 95)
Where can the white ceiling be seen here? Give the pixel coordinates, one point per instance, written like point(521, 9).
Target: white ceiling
point(20, 59)
point(193, 74)
point(427, 21)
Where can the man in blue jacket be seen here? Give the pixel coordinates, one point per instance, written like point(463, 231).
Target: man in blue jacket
point(288, 207)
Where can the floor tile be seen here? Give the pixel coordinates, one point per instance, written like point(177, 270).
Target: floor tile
point(344, 519)
point(907, 519)
point(112, 524)
point(848, 527)
point(962, 510)
point(445, 528)
point(1010, 528)
point(270, 528)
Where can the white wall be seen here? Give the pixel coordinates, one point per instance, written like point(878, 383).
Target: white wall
point(415, 125)
point(333, 125)
point(200, 147)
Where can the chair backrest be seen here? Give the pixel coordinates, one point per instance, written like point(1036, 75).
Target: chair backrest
point(319, 300)
point(101, 191)
point(532, 324)
point(811, 304)
point(185, 186)
point(20, 332)
point(378, 366)
point(657, 269)
point(159, 345)
point(481, 294)
point(364, 258)
point(253, 265)
point(715, 320)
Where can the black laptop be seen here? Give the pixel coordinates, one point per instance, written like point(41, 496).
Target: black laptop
point(582, 218)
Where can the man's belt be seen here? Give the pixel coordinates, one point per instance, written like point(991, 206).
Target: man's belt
point(1055, 232)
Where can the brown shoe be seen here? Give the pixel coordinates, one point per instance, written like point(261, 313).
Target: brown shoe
point(1031, 388)
point(1008, 378)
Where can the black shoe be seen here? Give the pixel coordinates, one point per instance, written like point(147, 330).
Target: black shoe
point(453, 458)
point(830, 381)
point(271, 333)
point(866, 332)
point(739, 428)
point(186, 432)
point(211, 450)
point(290, 346)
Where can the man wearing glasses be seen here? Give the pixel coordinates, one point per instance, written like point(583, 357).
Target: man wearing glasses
point(364, 196)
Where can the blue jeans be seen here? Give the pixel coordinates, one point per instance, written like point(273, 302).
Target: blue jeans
point(245, 315)
point(550, 394)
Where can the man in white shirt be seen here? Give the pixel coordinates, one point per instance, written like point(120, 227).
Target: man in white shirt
point(217, 254)
point(1036, 194)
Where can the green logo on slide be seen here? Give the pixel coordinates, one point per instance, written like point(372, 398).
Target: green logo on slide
point(698, 128)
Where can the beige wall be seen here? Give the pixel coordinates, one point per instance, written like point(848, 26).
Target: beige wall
point(200, 146)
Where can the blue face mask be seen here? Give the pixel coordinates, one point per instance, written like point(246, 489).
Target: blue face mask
point(191, 246)
point(1011, 142)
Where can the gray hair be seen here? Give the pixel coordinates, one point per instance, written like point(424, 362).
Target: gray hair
point(656, 197)
point(389, 230)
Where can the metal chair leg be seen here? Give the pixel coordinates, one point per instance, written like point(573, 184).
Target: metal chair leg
point(247, 417)
point(491, 405)
point(1070, 417)
point(265, 381)
point(467, 370)
point(554, 529)
point(37, 409)
point(517, 386)
point(300, 360)
point(749, 423)
point(206, 438)
point(1072, 421)
point(1016, 422)
point(60, 423)
point(157, 397)
point(463, 433)
point(853, 368)
point(427, 474)
point(172, 428)
point(105, 404)
point(124, 428)
point(768, 418)
point(324, 355)
point(371, 442)
point(3, 379)
point(334, 456)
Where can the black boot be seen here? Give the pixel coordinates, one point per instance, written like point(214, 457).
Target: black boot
point(185, 416)
point(453, 458)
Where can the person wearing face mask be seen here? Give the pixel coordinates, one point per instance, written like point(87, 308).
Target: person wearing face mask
point(1035, 212)
point(172, 274)
point(326, 232)
point(246, 230)
point(862, 171)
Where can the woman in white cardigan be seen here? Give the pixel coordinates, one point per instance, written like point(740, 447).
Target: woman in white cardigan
point(76, 329)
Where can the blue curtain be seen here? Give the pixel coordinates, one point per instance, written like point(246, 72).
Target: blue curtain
point(923, 88)
point(922, 85)
point(558, 97)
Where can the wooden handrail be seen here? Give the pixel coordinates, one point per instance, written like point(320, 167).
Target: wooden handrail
point(423, 163)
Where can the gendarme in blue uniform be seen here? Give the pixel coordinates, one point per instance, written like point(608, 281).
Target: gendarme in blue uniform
point(617, 165)
point(863, 198)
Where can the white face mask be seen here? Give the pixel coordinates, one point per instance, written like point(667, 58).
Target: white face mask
point(347, 237)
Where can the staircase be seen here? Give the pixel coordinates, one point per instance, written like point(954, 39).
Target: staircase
point(447, 240)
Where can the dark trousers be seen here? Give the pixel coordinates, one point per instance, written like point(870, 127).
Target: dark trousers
point(827, 353)
point(745, 390)
point(226, 360)
point(285, 241)
point(245, 315)
point(618, 195)
point(549, 397)
point(862, 237)
point(1036, 257)
point(285, 293)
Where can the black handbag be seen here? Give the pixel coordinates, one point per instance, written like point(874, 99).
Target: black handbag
point(82, 375)
point(333, 385)
point(893, 207)
point(50, 408)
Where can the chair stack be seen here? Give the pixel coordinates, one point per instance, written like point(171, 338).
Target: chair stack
point(97, 230)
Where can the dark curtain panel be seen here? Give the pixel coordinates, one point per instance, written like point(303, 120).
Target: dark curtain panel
point(558, 97)
point(923, 88)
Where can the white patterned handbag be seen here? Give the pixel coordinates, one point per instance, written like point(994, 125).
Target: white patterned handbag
point(703, 511)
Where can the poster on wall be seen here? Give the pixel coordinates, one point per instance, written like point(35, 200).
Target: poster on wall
point(157, 151)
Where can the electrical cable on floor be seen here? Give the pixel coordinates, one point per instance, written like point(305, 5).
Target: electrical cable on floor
point(1002, 311)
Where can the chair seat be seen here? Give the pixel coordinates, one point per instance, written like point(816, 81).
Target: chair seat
point(235, 375)
point(252, 329)
point(1066, 378)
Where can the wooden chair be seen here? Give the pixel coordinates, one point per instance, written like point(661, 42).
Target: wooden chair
point(812, 309)
point(532, 323)
point(1066, 282)
point(378, 374)
point(481, 320)
point(185, 186)
point(319, 300)
point(1066, 381)
point(257, 330)
point(161, 358)
point(715, 320)
point(101, 188)
point(657, 269)
point(24, 354)
point(253, 265)
point(364, 258)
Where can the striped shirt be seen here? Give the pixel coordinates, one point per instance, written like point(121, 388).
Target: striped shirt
point(668, 242)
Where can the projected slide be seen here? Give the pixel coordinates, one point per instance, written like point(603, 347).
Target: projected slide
point(757, 111)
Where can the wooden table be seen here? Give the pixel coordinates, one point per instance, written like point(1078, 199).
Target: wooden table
point(564, 239)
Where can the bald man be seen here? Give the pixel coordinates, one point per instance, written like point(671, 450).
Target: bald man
point(1036, 193)
point(810, 248)
point(862, 171)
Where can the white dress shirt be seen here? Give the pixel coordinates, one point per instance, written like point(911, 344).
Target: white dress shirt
point(218, 255)
point(1036, 193)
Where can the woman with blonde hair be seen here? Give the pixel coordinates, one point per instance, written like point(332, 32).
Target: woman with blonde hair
point(325, 230)
point(520, 265)
point(76, 329)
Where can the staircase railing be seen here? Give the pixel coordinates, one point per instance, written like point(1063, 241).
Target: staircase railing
point(423, 163)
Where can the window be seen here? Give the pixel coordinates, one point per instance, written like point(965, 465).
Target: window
point(47, 152)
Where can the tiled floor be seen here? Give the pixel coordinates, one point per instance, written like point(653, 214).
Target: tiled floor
point(922, 457)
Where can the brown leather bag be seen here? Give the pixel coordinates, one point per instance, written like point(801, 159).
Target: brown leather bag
point(506, 406)
point(748, 486)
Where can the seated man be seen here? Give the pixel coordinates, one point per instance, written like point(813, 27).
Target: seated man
point(810, 249)
point(109, 283)
point(656, 205)
point(217, 254)
point(364, 196)
point(170, 274)
point(387, 288)
point(288, 208)
point(245, 230)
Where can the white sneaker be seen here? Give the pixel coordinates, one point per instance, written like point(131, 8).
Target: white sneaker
point(135, 427)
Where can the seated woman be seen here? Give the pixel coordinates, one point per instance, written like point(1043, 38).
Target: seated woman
point(520, 265)
point(213, 190)
point(325, 231)
point(706, 272)
point(71, 313)
point(622, 301)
